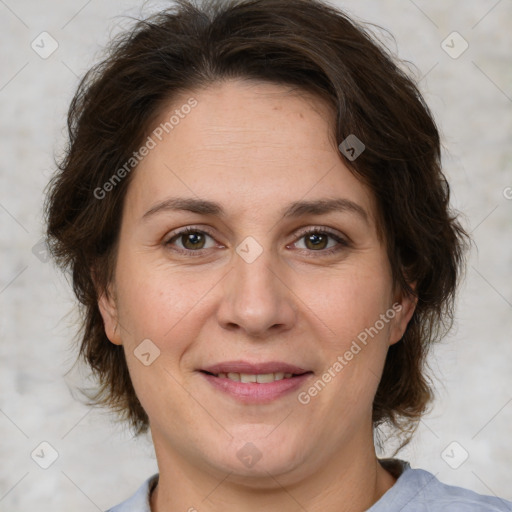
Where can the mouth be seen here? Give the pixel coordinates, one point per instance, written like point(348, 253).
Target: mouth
point(260, 378)
point(255, 382)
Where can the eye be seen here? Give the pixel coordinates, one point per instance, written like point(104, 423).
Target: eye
point(191, 240)
point(317, 240)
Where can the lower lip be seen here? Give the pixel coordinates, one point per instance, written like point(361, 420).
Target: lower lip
point(254, 392)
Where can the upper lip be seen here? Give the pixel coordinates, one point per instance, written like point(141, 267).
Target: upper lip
point(254, 368)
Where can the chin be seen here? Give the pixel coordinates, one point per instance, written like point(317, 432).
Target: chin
point(266, 473)
point(259, 454)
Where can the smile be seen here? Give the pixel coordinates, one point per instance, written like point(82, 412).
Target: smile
point(261, 378)
point(256, 388)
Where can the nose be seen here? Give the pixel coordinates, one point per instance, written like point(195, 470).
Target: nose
point(257, 298)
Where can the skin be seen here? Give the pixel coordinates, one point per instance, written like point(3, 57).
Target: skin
point(254, 148)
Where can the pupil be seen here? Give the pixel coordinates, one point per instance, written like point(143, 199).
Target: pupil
point(316, 239)
point(192, 239)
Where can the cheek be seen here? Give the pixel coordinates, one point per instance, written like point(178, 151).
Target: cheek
point(162, 306)
point(349, 302)
point(355, 344)
point(154, 299)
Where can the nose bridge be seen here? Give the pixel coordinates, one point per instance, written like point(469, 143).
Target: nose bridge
point(256, 298)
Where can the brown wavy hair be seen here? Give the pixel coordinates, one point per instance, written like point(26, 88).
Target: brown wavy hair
point(313, 47)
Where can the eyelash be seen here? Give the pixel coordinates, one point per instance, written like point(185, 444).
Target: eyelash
point(342, 242)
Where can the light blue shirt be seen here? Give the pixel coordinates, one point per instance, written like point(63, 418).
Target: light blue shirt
point(416, 490)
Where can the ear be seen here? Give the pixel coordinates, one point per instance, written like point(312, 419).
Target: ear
point(404, 306)
point(108, 309)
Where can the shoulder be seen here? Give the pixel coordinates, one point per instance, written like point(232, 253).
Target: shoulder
point(140, 501)
point(420, 491)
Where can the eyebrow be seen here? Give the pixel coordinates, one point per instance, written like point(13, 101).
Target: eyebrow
point(295, 209)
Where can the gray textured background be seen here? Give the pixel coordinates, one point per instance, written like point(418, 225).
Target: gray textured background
point(98, 463)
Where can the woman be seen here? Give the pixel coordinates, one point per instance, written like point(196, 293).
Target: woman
point(258, 228)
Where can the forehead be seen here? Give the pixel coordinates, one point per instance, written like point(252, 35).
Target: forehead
point(249, 114)
point(252, 144)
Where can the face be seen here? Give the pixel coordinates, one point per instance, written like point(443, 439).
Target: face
point(282, 266)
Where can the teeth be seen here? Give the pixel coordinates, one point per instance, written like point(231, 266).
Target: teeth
point(261, 378)
point(265, 377)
